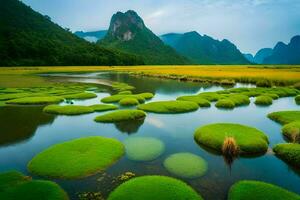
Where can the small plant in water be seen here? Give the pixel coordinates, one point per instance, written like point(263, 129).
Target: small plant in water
point(230, 147)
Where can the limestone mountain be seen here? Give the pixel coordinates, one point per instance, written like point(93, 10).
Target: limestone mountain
point(128, 32)
point(204, 49)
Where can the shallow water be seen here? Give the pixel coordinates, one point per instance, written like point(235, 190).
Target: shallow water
point(25, 131)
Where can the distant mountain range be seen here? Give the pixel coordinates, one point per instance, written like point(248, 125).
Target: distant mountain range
point(127, 32)
point(28, 38)
point(92, 36)
point(280, 54)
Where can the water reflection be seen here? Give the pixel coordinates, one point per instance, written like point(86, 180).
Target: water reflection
point(129, 127)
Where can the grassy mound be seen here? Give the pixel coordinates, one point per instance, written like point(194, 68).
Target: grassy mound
point(225, 103)
point(259, 191)
point(289, 152)
point(292, 131)
point(210, 96)
point(120, 87)
point(118, 97)
point(128, 102)
point(125, 92)
point(103, 107)
point(35, 100)
point(121, 115)
point(147, 95)
point(77, 158)
point(186, 165)
point(68, 110)
point(263, 100)
point(285, 117)
point(199, 100)
point(82, 95)
point(154, 187)
point(143, 148)
point(297, 100)
point(249, 140)
point(239, 99)
point(169, 107)
point(9, 96)
point(14, 185)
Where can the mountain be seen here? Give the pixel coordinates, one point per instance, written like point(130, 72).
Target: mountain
point(285, 53)
point(93, 36)
point(249, 57)
point(262, 54)
point(204, 49)
point(28, 38)
point(127, 32)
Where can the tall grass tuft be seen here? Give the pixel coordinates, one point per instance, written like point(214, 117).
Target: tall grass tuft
point(230, 147)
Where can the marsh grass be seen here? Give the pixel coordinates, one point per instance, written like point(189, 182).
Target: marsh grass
point(121, 115)
point(199, 100)
point(230, 148)
point(289, 152)
point(128, 102)
point(263, 100)
point(169, 107)
point(285, 117)
point(35, 100)
point(68, 109)
point(225, 104)
point(292, 131)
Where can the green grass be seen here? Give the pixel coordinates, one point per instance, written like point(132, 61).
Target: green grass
point(239, 99)
point(116, 98)
point(82, 95)
point(154, 188)
point(120, 87)
point(35, 100)
point(169, 106)
point(143, 148)
point(258, 190)
point(77, 158)
point(9, 96)
point(147, 95)
point(129, 101)
point(249, 140)
point(210, 96)
point(125, 92)
point(68, 109)
point(263, 100)
point(121, 115)
point(225, 103)
point(292, 131)
point(103, 107)
point(284, 117)
point(195, 98)
point(14, 185)
point(297, 100)
point(186, 165)
point(289, 152)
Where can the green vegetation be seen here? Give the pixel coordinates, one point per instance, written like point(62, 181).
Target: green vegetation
point(263, 100)
point(121, 115)
point(68, 110)
point(147, 95)
point(249, 140)
point(32, 39)
point(289, 152)
point(154, 187)
point(199, 100)
point(210, 96)
point(122, 87)
point(14, 185)
point(297, 100)
point(77, 158)
point(259, 191)
point(128, 102)
point(169, 106)
point(118, 97)
point(186, 165)
point(239, 99)
point(103, 107)
point(83, 95)
point(284, 117)
point(9, 96)
point(35, 100)
point(125, 92)
point(292, 131)
point(225, 103)
point(143, 148)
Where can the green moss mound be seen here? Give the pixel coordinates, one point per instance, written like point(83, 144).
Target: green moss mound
point(263, 100)
point(249, 140)
point(120, 87)
point(143, 148)
point(128, 102)
point(147, 95)
point(292, 131)
point(83, 95)
point(154, 187)
point(14, 185)
point(9, 96)
point(199, 100)
point(285, 117)
point(103, 107)
point(239, 99)
point(118, 97)
point(210, 96)
point(77, 158)
point(68, 110)
point(35, 100)
point(125, 92)
point(225, 103)
point(121, 115)
point(289, 152)
point(169, 106)
point(259, 191)
point(297, 100)
point(186, 165)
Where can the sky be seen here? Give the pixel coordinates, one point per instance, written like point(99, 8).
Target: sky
point(249, 24)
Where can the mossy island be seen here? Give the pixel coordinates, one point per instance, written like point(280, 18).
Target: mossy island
point(297, 100)
point(82, 95)
point(143, 148)
point(225, 104)
point(121, 115)
point(199, 100)
point(232, 139)
point(14, 185)
point(154, 187)
point(68, 109)
point(129, 101)
point(77, 158)
point(289, 152)
point(263, 100)
point(169, 107)
point(292, 131)
point(103, 107)
point(35, 100)
point(284, 117)
point(141, 98)
point(186, 165)
point(259, 191)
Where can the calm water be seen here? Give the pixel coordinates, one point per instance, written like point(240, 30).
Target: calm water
point(25, 131)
